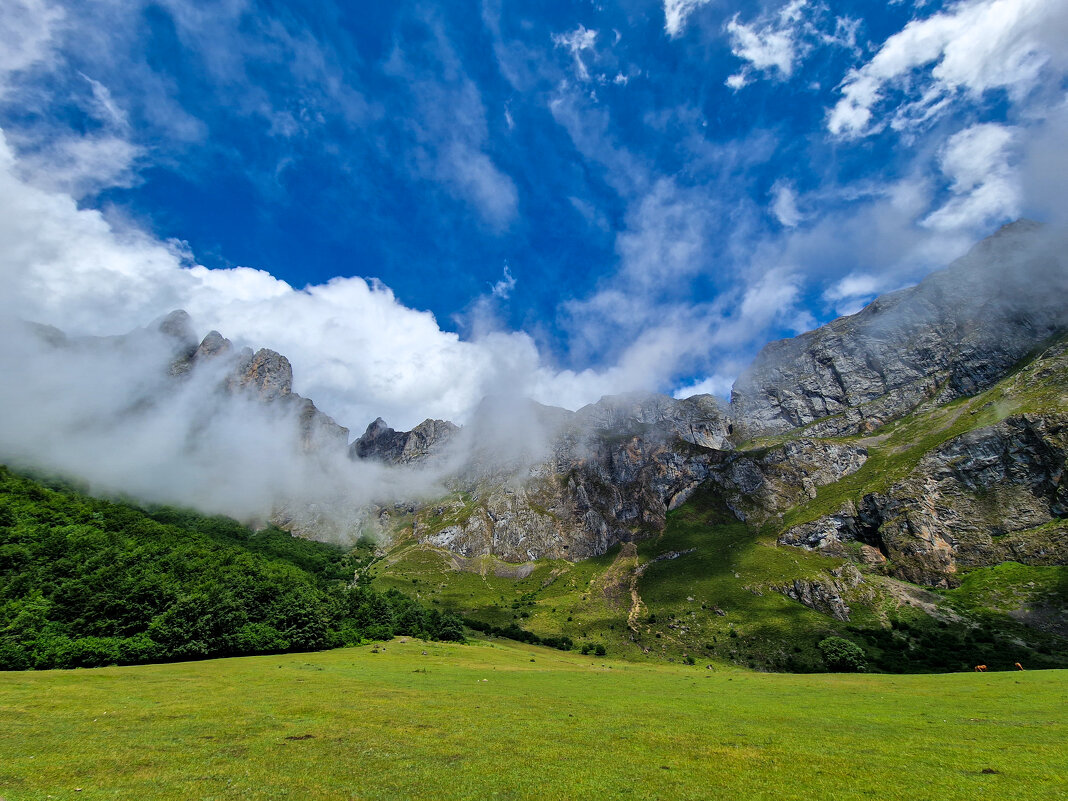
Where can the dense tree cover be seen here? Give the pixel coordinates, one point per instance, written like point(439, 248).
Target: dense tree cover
point(87, 582)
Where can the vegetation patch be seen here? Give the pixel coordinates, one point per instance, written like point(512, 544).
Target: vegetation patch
point(469, 721)
point(86, 582)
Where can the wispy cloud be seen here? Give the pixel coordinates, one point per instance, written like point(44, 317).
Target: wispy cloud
point(677, 12)
point(576, 42)
point(775, 43)
point(970, 48)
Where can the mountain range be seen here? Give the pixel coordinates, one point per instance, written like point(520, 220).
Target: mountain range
point(882, 461)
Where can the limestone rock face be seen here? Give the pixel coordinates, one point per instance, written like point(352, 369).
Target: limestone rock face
point(381, 442)
point(825, 596)
point(613, 471)
point(267, 373)
point(212, 346)
point(179, 326)
point(759, 485)
point(994, 494)
point(955, 333)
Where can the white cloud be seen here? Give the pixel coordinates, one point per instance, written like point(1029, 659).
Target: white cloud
point(575, 43)
point(973, 46)
point(356, 350)
point(82, 165)
point(27, 36)
point(503, 288)
point(853, 293)
point(774, 44)
point(667, 235)
point(784, 205)
point(770, 46)
point(984, 184)
point(717, 385)
point(676, 12)
point(854, 285)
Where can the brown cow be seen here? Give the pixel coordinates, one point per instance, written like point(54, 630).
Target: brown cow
point(1018, 665)
point(980, 668)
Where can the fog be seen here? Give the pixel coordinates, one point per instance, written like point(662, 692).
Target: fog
point(110, 411)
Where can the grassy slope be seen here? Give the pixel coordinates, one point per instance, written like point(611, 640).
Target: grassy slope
point(504, 721)
point(734, 567)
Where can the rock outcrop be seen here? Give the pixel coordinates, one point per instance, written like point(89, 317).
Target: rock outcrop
point(265, 375)
point(382, 443)
point(612, 473)
point(955, 333)
point(991, 495)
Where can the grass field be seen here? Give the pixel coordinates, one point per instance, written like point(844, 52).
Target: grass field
point(499, 720)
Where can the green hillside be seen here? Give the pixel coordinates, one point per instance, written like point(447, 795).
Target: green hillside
point(85, 582)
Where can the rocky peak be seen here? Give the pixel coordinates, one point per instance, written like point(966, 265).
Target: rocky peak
point(381, 442)
point(268, 373)
point(179, 326)
point(955, 333)
point(214, 344)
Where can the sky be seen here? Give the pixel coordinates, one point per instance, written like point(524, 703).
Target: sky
point(424, 203)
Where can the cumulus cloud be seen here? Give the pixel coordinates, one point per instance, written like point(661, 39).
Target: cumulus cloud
point(970, 47)
point(358, 352)
point(983, 182)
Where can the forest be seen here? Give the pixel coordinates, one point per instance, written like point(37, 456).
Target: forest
point(87, 582)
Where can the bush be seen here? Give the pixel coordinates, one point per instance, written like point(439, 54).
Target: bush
point(842, 655)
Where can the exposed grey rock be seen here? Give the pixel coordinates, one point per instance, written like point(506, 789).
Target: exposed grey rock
point(955, 333)
point(267, 373)
point(179, 326)
point(381, 442)
point(825, 596)
point(976, 500)
point(212, 346)
point(613, 473)
point(759, 485)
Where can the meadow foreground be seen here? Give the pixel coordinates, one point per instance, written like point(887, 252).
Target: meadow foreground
point(501, 720)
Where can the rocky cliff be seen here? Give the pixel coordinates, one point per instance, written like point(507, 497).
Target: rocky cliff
point(611, 471)
point(954, 334)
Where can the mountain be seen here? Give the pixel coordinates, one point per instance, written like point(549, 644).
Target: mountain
point(901, 467)
point(896, 476)
point(610, 472)
point(955, 333)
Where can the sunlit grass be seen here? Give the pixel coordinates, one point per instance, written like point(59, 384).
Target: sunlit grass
point(484, 721)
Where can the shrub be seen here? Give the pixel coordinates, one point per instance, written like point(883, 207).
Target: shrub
point(842, 655)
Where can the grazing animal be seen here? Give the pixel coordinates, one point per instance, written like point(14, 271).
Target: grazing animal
point(1018, 665)
point(980, 668)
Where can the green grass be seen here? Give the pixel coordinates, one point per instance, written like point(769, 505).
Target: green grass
point(485, 721)
point(732, 570)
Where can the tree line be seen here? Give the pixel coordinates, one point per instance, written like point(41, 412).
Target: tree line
point(87, 582)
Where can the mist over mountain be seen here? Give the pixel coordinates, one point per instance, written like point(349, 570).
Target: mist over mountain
point(163, 414)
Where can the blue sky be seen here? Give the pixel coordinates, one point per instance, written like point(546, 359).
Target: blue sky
point(421, 203)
